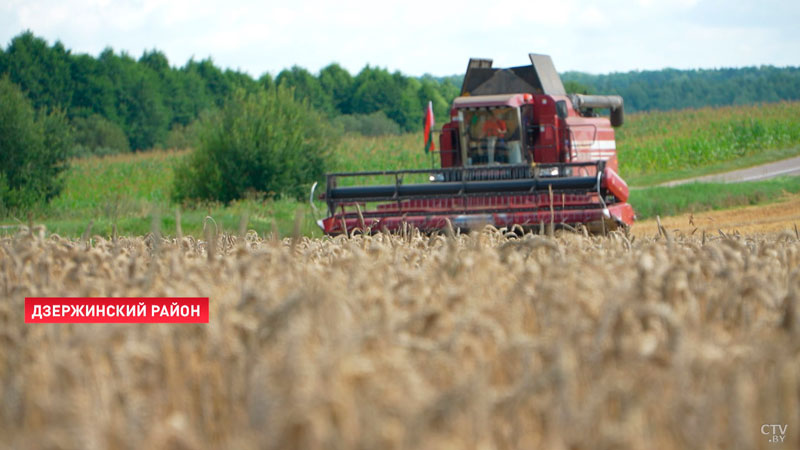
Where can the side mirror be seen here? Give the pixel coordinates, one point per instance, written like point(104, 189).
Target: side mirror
point(561, 109)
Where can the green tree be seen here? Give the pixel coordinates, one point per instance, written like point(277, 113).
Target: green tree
point(191, 96)
point(306, 87)
point(338, 84)
point(372, 90)
point(42, 72)
point(265, 141)
point(574, 87)
point(217, 85)
point(33, 150)
point(407, 108)
point(266, 81)
point(241, 80)
point(148, 117)
point(96, 135)
point(430, 92)
point(156, 61)
point(94, 92)
point(376, 89)
point(139, 102)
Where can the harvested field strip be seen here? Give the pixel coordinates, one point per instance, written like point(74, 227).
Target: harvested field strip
point(775, 217)
point(416, 342)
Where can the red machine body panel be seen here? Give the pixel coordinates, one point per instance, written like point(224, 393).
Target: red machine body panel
point(516, 151)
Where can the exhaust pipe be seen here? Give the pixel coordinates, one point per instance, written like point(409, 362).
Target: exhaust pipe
point(612, 102)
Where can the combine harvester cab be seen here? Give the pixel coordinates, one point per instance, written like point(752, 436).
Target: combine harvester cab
point(517, 151)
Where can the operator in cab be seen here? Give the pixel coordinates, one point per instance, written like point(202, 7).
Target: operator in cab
point(494, 129)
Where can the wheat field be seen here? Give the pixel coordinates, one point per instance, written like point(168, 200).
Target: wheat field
point(455, 341)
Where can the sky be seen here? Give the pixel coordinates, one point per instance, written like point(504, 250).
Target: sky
point(418, 37)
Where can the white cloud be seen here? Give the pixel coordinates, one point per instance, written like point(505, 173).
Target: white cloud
point(419, 36)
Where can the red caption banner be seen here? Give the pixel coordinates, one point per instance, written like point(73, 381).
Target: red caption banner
point(116, 309)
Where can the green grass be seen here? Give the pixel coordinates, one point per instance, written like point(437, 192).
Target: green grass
point(130, 190)
point(262, 216)
point(116, 185)
point(359, 153)
point(696, 197)
point(661, 146)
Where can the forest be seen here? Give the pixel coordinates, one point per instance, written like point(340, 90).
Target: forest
point(670, 89)
point(116, 102)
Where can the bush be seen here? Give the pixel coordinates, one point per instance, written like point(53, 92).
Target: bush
point(181, 137)
point(374, 124)
point(33, 150)
point(95, 135)
point(264, 142)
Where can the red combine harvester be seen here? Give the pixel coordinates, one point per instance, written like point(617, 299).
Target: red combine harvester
point(517, 151)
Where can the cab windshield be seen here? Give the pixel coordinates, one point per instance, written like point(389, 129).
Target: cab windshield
point(491, 135)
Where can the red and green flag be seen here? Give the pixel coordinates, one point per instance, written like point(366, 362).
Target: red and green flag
point(428, 123)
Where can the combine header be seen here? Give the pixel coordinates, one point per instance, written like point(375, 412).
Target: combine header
point(517, 151)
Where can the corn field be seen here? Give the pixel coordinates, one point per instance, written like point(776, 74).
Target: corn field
point(657, 142)
point(453, 341)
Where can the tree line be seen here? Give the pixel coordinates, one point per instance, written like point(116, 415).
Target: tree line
point(670, 89)
point(118, 101)
point(115, 102)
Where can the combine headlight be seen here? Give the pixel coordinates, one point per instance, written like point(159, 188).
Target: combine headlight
point(548, 172)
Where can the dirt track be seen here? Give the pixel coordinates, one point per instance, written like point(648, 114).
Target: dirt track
point(775, 217)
